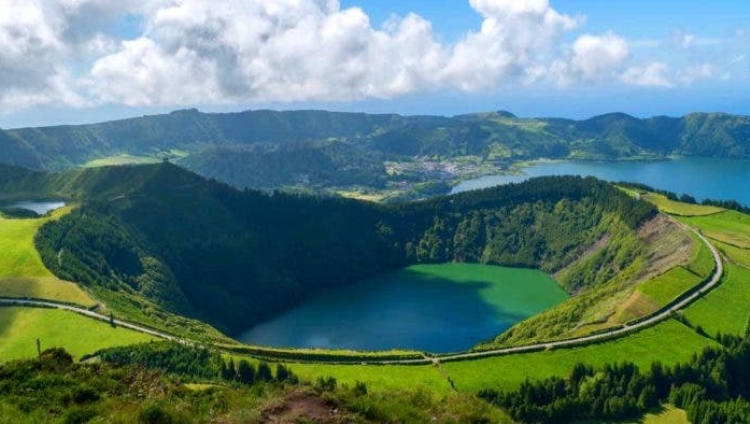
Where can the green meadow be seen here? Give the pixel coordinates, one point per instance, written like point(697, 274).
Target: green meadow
point(22, 273)
point(668, 286)
point(669, 342)
point(679, 208)
point(730, 227)
point(20, 328)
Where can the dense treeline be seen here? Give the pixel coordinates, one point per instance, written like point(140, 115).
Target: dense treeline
point(195, 363)
point(232, 257)
point(713, 388)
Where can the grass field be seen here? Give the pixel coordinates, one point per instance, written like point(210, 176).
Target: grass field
point(379, 377)
point(19, 256)
point(679, 208)
point(22, 273)
point(702, 262)
point(735, 254)
point(21, 327)
point(726, 308)
point(669, 342)
point(121, 160)
point(668, 286)
point(669, 415)
point(730, 227)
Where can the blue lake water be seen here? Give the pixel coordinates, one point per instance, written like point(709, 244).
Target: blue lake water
point(721, 179)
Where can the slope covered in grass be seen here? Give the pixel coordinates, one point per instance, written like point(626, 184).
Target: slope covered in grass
point(20, 328)
point(22, 272)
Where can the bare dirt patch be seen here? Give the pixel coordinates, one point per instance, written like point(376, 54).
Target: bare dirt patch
point(300, 406)
point(669, 245)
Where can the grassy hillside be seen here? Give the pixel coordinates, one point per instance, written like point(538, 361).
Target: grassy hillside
point(22, 272)
point(20, 328)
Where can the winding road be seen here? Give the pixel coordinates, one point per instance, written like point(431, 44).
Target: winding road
point(661, 315)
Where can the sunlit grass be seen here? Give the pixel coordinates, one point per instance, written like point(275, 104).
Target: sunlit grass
point(20, 328)
point(22, 272)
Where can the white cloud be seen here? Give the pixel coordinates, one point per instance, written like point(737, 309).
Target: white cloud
point(312, 50)
point(651, 75)
point(592, 58)
point(190, 52)
point(699, 72)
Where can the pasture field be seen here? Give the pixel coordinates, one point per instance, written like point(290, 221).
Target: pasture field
point(379, 377)
point(664, 288)
point(22, 272)
point(669, 342)
point(735, 255)
point(21, 327)
point(20, 257)
point(729, 227)
point(45, 288)
point(679, 208)
point(726, 308)
point(702, 262)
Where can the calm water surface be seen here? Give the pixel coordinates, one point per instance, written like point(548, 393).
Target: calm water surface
point(723, 179)
point(40, 208)
point(435, 308)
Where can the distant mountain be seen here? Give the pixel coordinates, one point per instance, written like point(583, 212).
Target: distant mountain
point(267, 149)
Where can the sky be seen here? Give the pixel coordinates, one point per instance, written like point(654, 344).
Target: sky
point(81, 61)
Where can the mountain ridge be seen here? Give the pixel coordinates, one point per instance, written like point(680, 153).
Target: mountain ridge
point(319, 150)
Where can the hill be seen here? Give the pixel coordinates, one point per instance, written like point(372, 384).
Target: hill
point(319, 150)
point(155, 239)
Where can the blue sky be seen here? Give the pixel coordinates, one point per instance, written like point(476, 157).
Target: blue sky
point(75, 61)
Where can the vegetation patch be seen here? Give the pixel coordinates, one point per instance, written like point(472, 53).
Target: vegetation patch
point(20, 328)
point(20, 257)
point(392, 378)
point(669, 342)
point(702, 263)
point(670, 285)
point(674, 207)
point(667, 414)
point(50, 288)
point(726, 308)
point(730, 227)
point(120, 160)
point(22, 272)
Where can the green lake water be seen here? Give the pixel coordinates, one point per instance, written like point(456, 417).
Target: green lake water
point(435, 308)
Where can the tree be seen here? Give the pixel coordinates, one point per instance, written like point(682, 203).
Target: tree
point(264, 372)
point(229, 373)
point(245, 372)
